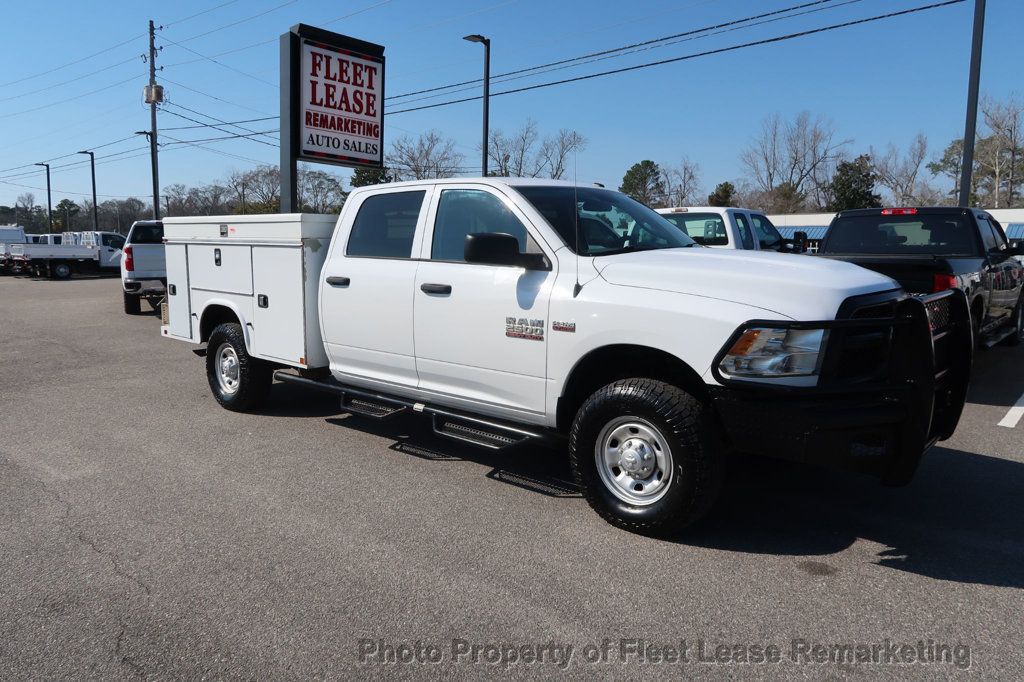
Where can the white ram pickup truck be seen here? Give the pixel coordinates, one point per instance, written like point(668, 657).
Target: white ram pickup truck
point(502, 309)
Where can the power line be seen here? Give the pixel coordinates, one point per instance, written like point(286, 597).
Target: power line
point(240, 21)
point(706, 53)
point(206, 94)
point(700, 34)
point(65, 100)
point(221, 64)
point(617, 49)
point(199, 14)
point(215, 151)
point(73, 62)
point(70, 80)
point(199, 113)
point(274, 40)
point(218, 139)
point(213, 125)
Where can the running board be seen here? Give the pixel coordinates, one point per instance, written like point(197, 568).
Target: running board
point(992, 341)
point(374, 409)
point(486, 433)
point(480, 433)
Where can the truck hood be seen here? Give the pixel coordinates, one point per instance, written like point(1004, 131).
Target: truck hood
point(794, 286)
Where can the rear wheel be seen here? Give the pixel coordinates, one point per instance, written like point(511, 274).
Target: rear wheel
point(1017, 337)
point(60, 271)
point(239, 382)
point(645, 454)
point(132, 304)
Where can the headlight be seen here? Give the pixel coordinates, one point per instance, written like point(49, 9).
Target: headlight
point(763, 353)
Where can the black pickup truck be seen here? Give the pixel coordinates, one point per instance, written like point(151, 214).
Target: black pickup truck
point(932, 249)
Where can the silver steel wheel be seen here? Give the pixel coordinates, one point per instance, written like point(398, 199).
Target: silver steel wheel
point(634, 460)
point(227, 368)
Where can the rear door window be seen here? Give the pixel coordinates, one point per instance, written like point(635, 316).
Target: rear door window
point(386, 225)
point(745, 236)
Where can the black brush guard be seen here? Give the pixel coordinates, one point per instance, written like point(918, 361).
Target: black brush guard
point(893, 381)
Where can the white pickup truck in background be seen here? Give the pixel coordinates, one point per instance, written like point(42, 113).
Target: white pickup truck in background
point(727, 228)
point(143, 267)
point(96, 253)
point(9, 235)
point(509, 310)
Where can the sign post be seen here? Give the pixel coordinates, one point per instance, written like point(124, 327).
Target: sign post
point(332, 104)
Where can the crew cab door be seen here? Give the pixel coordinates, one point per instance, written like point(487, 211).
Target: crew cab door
point(110, 248)
point(1002, 275)
point(480, 329)
point(366, 291)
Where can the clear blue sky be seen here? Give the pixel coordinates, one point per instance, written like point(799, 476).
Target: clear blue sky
point(878, 83)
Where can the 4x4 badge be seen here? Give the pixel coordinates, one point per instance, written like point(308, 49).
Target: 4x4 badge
point(563, 327)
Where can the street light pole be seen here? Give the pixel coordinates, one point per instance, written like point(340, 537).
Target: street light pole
point(49, 201)
point(95, 211)
point(486, 42)
point(971, 125)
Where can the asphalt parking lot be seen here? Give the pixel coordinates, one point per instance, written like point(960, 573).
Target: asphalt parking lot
point(146, 532)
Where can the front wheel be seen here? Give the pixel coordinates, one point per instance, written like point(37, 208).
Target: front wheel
point(239, 382)
point(1017, 338)
point(646, 456)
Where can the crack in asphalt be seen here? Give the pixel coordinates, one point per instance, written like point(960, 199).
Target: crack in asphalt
point(77, 533)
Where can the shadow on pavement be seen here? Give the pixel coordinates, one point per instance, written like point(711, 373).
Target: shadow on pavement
point(997, 377)
point(961, 519)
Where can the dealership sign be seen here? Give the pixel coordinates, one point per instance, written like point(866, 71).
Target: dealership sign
point(332, 103)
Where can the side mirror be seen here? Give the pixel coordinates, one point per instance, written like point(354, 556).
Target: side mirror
point(799, 241)
point(1016, 249)
point(499, 248)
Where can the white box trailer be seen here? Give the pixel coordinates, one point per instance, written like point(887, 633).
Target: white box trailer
point(260, 268)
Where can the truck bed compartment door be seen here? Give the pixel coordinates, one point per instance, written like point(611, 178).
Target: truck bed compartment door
point(179, 307)
point(225, 268)
point(278, 325)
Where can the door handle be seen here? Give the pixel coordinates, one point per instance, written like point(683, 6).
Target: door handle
point(436, 288)
point(338, 281)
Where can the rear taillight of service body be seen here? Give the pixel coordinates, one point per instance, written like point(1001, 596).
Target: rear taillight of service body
point(941, 282)
point(129, 263)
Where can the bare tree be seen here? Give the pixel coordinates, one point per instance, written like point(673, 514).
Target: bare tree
point(793, 158)
point(898, 172)
point(555, 151)
point(1001, 155)
point(682, 183)
point(265, 184)
point(429, 156)
point(525, 155)
point(321, 192)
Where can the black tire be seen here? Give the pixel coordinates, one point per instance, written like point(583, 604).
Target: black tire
point(132, 304)
point(60, 270)
point(683, 424)
point(254, 377)
point(1017, 338)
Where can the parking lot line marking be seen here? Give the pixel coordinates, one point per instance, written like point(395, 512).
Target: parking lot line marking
point(1013, 416)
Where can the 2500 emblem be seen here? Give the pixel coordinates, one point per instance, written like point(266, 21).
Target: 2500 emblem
point(523, 328)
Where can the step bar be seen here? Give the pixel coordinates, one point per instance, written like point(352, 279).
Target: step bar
point(486, 433)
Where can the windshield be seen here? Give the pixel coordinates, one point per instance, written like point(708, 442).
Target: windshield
point(941, 235)
point(609, 222)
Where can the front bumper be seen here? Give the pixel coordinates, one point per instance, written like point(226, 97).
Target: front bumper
point(890, 388)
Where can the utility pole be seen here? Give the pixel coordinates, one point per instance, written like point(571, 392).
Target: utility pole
point(154, 95)
point(49, 201)
point(95, 211)
point(971, 125)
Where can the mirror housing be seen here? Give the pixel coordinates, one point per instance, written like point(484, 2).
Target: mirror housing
point(1016, 249)
point(499, 248)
